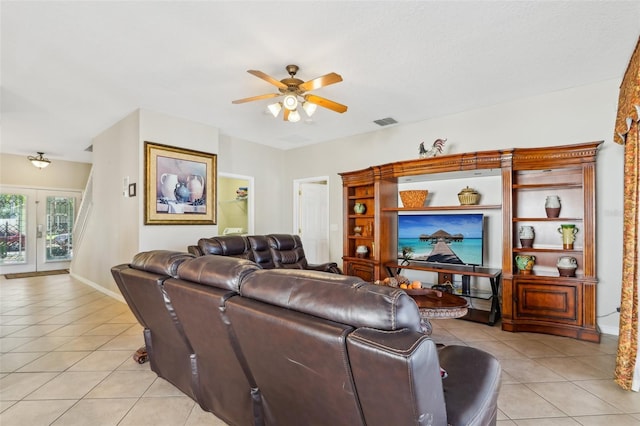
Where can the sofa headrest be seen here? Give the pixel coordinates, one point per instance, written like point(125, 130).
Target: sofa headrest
point(260, 252)
point(258, 242)
point(217, 271)
point(227, 245)
point(339, 298)
point(284, 242)
point(163, 262)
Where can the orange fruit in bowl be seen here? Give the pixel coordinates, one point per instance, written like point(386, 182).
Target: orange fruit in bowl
point(416, 285)
point(403, 286)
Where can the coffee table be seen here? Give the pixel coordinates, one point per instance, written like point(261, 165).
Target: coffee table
point(436, 304)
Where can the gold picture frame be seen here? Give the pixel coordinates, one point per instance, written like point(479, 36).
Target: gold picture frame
point(180, 186)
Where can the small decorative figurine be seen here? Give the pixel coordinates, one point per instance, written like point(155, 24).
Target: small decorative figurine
point(436, 149)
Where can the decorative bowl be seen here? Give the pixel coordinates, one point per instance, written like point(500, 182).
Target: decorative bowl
point(414, 198)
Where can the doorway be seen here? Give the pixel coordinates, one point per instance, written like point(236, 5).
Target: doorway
point(235, 204)
point(311, 216)
point(36, 229)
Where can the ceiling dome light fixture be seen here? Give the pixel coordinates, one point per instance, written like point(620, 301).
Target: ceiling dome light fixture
point(40, 161)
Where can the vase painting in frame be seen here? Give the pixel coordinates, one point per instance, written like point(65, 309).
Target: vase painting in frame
point(180, 186)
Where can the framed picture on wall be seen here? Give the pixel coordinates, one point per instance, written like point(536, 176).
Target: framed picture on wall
point(180, 186)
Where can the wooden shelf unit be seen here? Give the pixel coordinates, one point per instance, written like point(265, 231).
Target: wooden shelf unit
point(544, 301)
point(540, 302)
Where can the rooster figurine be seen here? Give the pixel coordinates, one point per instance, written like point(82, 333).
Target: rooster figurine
point(436, 149)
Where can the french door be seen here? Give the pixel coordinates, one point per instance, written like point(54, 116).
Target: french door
point(36, 229)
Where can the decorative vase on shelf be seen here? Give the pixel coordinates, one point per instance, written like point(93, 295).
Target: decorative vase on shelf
point(567, 266)
point(362, 252)
point(526, 235)
point(357, 231)
point(552, 206)
point(525, 263)
point(568, 232)
point(359, 208)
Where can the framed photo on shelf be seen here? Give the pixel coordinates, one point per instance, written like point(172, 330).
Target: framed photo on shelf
point(180, 186)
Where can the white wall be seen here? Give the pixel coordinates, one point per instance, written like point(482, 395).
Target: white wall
point(570, 116)
point(111, 233)
point(272, 191)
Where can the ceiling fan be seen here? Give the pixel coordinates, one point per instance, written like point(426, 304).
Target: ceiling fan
point(295, 93)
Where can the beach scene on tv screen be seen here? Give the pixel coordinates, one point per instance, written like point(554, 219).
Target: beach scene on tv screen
point(443, 238)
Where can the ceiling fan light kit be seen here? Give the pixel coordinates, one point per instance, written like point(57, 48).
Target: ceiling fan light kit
point(290, 102)
point(293, 89)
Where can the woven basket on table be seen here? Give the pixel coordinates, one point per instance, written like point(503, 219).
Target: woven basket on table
point(413, 198)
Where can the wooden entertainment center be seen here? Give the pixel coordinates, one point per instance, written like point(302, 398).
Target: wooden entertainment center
point(538, 301)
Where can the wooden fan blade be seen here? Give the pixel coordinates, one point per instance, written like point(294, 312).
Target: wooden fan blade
point(256, 98)
point(319, 82)
point(285, 116)
point(268, 79)
point(326, 103)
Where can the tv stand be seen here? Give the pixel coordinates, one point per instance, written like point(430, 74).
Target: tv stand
point(445, 273)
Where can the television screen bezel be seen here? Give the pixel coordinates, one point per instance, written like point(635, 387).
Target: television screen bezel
point(483, 238)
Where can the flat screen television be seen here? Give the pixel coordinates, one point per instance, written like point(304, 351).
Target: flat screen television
point(442, 238)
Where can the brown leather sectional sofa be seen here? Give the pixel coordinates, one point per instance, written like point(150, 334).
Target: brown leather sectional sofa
point(296, 347)
point(268, 251)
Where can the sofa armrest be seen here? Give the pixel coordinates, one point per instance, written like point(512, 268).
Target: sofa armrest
point(397, 376)
point(472, 386)
point(331, 267)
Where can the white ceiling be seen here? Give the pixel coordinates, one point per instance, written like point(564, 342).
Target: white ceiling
point(71, 69)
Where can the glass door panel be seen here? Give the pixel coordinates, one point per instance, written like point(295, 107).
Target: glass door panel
point(13, 220)
point(60, 214)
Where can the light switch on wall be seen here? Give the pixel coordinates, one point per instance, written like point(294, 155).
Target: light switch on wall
point(125, 186)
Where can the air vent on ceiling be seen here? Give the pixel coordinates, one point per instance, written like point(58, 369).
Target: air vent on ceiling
point(385, 121)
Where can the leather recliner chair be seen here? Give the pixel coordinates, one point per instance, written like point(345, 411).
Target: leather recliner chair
point(287, 253)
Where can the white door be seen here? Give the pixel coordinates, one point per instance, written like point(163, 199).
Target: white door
point(36, 229)
point(312, 218)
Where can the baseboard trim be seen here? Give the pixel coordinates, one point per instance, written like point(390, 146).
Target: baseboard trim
point(98, 287)
point(608, 329)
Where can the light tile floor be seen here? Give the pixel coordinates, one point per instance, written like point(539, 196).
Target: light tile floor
point(65, 359)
